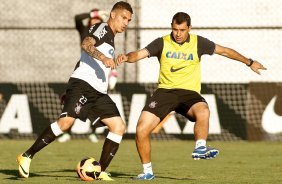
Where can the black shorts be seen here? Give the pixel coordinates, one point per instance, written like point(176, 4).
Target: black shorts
point(84, 102)
point(164, 101)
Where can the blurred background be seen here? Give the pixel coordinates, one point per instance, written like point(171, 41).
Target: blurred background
point(39, 47)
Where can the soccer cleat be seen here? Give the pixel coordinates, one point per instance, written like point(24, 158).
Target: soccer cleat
point(24, 163)
point(204, 152)
point(105, 176)
point(64, 138)
point(93, 138)
point(144, 176)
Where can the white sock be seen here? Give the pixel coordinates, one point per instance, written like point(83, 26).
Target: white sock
point(200, 142)
point(147, 168)
point(114, 137)
point(56, 129)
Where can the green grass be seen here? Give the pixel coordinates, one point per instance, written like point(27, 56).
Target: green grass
point(238, 162)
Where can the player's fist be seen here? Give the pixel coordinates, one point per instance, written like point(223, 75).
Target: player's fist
point(109, 63)
point(94, 13)
point(121, 59)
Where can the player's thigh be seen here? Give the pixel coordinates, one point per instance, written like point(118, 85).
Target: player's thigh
point(74, 108)
point(147, 122)
point(105, 110)
point(190, 104)
point(161, 103)
point(75, 102)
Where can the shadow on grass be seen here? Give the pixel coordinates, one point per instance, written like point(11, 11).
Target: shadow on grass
point(14, 174)
point(130, 176)
point(174, 178)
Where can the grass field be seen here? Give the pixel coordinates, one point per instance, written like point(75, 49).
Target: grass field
point(238, 162)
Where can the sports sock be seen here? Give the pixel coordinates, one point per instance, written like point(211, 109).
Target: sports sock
point(110, 148)
point(147, 168)
point(199, 143)
point(46, 137)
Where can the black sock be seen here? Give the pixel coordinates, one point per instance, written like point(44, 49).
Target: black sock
point(109, 150)
point(46, 137)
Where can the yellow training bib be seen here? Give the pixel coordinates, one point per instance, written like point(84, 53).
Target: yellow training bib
point(180, 65)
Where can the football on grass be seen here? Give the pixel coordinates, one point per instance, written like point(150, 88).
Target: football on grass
point(88, 169)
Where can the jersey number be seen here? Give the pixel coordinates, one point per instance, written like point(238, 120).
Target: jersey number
point(83, 100)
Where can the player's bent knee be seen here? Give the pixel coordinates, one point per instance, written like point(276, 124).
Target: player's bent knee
point(122, 128)
point(118, 128)
point(65, 123)
point(142, 130)
point(140, 136)
point(203, 113)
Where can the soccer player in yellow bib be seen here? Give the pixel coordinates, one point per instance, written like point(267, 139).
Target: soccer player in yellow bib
point(179, 55)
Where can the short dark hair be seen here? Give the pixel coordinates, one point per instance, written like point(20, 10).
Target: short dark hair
point(181, 17)
point(122, 5)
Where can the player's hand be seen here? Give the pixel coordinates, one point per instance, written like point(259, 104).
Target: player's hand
point(257, 66)
point(99, 14)
point(121, 59)
point(103, 15)
point(109, 63)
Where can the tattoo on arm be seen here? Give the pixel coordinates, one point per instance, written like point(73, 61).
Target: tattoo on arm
point(88, 46)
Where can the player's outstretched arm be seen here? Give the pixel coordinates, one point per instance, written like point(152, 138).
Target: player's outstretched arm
point(135, 56)
point(233, 54)
point(132, 57)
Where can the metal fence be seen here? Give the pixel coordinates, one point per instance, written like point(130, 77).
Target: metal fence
point(38, 41)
